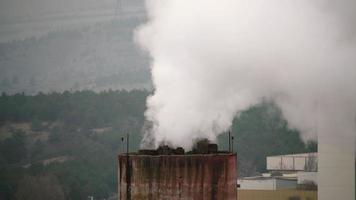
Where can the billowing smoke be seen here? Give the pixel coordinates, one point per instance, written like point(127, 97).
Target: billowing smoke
point(212, 59)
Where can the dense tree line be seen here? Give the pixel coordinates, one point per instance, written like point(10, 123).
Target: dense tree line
point(81, 108)
point(84, 127)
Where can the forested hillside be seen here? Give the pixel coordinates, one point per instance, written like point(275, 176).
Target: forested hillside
point(65, 144)
point(93, 57)
point(69, 139)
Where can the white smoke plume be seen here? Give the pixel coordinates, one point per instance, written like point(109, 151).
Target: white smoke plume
point(212, 59)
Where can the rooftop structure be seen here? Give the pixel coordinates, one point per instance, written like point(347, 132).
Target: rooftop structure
point(285, 172)
point(293, 162)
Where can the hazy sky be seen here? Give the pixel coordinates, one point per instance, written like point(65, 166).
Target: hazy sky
point(80, 44)
point(19, 9)
point(26, 18)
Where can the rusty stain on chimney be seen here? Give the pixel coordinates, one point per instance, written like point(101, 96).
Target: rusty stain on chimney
point(165, 173)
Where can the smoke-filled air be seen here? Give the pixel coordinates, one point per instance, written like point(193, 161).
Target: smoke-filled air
point(213, 59)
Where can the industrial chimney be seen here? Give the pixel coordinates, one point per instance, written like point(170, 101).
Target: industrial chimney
point(166, 173)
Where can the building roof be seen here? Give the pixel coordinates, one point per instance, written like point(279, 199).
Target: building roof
point(269, 178)
point(296, 155)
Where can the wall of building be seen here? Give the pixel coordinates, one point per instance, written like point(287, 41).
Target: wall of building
point(293, 162)
point(189, 177)
point(266, 184)
point(286, 184)
point(253, 184)
point(276, 194)
point(307, 177)
point(336, 170)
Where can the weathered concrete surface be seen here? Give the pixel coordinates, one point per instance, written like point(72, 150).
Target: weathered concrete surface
point(185, 177)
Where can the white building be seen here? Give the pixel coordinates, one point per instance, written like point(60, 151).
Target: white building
point(267, 183)
point(286, 172)
point(293, 162)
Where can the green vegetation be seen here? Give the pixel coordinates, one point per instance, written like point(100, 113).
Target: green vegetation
point(262, 131)
point(68, 139)
point(67, 143)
